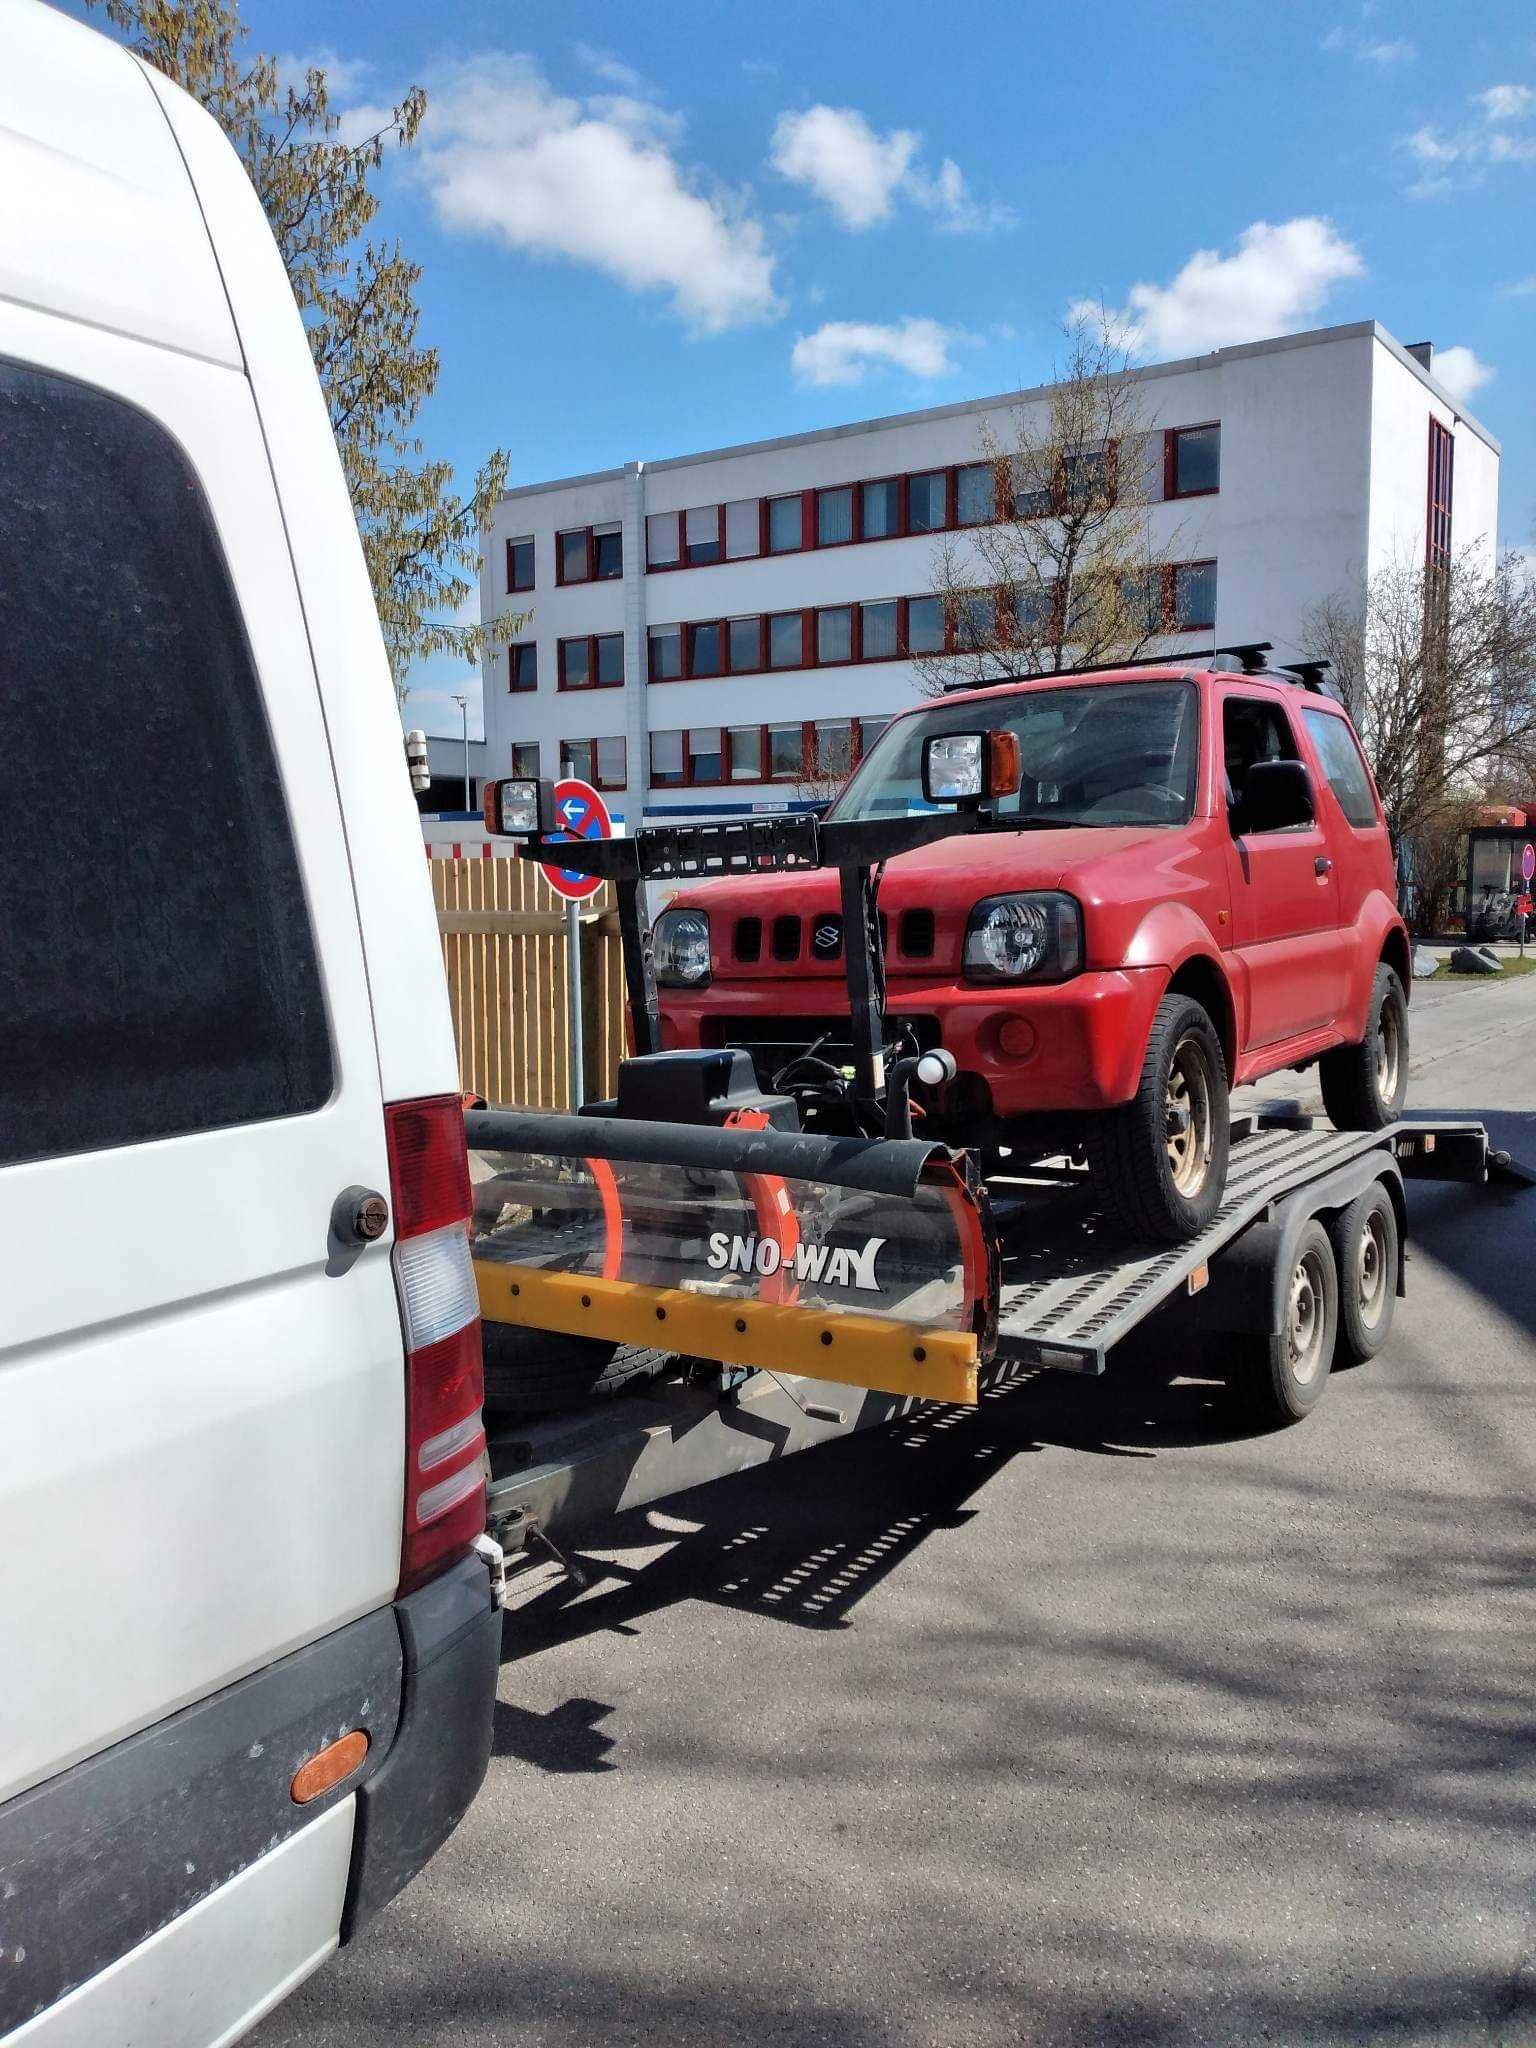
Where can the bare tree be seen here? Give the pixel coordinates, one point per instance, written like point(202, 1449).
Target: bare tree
point(1055, 567)
point(1437, 665)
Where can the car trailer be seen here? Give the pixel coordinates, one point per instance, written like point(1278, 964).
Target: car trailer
point(796, 1281)
point(1067, 1299)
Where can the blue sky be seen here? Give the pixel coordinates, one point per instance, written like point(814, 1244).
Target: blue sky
point(651, 229)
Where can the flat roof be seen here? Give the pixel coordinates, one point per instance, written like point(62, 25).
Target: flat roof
point(1314, 337)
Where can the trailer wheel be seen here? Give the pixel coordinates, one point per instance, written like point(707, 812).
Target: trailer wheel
point(1279, 1379)
point(539, 1372)
point(1365, 1238)
point(1159, 1163)
point(1364, 1085)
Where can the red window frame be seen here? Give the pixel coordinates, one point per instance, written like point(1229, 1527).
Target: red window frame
point(589, 641)
point(523, 540)
point(515, 648)
point(724, 779)
point(1171, 460)
point(596, 778)
point(1441, 493)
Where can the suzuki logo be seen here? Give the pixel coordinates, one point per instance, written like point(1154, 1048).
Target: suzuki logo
point(827, 938)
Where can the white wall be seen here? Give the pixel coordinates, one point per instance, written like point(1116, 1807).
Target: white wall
point(1323, 466)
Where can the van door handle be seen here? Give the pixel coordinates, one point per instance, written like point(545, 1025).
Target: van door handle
point(1323, 865)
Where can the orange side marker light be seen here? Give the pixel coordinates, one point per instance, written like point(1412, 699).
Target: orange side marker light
point(328, 1766)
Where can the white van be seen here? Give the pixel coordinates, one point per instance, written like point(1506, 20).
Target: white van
point(248, 1649)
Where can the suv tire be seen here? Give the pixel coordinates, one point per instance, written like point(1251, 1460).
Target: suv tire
point(1364, 1085)
point(1159, 1162)
point(540, 1372)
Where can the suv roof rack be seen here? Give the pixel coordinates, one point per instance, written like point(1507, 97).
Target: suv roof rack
point(1244, 658)
point(1198, 659)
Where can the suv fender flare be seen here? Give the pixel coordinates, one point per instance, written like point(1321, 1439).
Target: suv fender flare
point(1378, 933)
point(1172, 937)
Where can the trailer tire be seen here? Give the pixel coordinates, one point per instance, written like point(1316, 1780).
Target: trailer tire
point(1280, 1379)
point(1144, 1189)
point(1367, 1244)
point(540, 1372)
point(1364, 1085)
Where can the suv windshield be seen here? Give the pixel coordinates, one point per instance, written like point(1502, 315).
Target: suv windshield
point(1095, 754)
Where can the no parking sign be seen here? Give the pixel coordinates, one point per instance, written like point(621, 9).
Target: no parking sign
point(582, 815)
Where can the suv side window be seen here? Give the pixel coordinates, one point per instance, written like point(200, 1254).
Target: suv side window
point(1252, 729)
point(159, 972)
point(1342, 763)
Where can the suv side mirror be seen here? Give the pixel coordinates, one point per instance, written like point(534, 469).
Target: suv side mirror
point(519, 808)
point(1276, 794)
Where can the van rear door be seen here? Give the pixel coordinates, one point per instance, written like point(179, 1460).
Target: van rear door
point(201, 1400)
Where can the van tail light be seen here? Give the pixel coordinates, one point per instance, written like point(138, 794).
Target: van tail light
point(440, 1311)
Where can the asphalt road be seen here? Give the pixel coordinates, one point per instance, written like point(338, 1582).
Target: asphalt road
point(1082, 1718)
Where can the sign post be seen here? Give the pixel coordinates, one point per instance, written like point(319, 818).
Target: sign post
point(582, 815)
point(1523, 907)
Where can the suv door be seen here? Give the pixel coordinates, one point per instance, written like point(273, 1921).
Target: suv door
point(1356, 826)
point(201, 1398)
point(1285, 889)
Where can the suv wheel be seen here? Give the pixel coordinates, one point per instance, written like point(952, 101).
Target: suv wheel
point(1364, 1085)
point(1159, 1163)
point(1281, 1378)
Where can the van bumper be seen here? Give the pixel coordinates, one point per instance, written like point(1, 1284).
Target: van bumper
point(450, 1638)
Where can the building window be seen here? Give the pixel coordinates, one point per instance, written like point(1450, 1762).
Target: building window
point(1033, 490)
point(573, 555)
point(746, 752)
point(1442, 458)
point(704, 754)
point(610, 660)
point(701, 536)
point(1191, 461)
point(832, 747)
point(927, 501)
point(786, 753)
point(1143, 597)
point(704, 649)
point(880, 508)
point(520, 563)
point(745, 645)
point(576, 759)
point(1088, 477)
point(611, 764)
point(607, 553)
point(784, 534)
point(666, 643)
point(667, 758)
point(786, 640)
point(662, 540)
point(525, 758)
point(1194, 597)
point(976, 619)
point(522, 666)
point(834, 633)
point(576, 664)
point(975, 494)
point(925, 625)
point(834, 516)
point(879, 630)
point(743, 529)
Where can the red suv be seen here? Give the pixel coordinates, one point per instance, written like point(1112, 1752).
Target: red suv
point(1192, 886)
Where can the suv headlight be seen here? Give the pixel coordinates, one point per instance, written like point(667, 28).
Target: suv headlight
point(680, 941)
point(1038, 937)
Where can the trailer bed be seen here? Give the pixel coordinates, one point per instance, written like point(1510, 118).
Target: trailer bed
point(1067, 1298)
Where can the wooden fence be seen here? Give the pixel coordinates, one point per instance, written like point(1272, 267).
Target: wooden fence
point(504, 948)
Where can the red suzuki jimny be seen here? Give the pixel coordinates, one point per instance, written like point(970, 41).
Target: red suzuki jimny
point(1192, 886)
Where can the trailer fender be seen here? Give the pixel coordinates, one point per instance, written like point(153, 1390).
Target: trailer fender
point(1249, 1281)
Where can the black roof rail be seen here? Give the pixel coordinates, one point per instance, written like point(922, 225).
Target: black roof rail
point(1200, 658)
point(1245, 658)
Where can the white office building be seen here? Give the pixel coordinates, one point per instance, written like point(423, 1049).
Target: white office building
point(703, 627)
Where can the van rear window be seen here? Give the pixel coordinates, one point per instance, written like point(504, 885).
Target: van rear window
point(158, 972)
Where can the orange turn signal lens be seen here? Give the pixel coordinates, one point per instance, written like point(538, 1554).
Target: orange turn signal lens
point(1005, 764)
point(327, 1767)
point(1016, 1036)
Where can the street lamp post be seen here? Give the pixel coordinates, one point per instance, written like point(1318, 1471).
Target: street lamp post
point(463, 704)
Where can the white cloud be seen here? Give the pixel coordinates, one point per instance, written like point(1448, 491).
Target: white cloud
point(1367, 49)
point(1519, 288)
point(1507, 102)
point(1460, 371)
point(835, 154)
point(1458, 158)
point(611, 70)
point(1278, 277)
point(597, 183)
point(343, 75)
point(843, 351)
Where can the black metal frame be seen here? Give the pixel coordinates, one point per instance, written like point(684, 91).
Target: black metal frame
point(857, 848)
